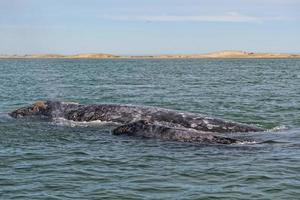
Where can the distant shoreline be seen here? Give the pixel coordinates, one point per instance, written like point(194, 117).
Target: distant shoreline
point(214, 55)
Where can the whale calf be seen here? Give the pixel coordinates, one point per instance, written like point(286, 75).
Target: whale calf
point(125, 114)
point(145, 129)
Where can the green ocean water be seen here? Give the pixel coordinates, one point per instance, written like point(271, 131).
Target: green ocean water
point(42, 159)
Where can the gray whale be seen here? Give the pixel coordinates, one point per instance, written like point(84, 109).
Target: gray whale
point(145, 129)
point(149, 122)
point(124, 114)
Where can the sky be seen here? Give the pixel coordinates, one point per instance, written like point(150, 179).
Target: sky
point(144, 27)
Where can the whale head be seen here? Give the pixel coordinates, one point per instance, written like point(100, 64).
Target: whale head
point(39, 108)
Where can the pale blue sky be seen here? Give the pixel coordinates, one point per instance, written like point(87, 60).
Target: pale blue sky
point(148, 26)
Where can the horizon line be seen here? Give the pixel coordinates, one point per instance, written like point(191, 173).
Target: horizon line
point(216, 54)
point(149, 54)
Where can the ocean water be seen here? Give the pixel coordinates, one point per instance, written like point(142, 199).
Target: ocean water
point(42, 159)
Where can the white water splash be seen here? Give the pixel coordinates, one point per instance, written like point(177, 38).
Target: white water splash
point(64, 122)
point(4, 117)
point(278, 128)
point(247, 142)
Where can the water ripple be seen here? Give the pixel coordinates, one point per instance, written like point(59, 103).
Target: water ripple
point(59, 159)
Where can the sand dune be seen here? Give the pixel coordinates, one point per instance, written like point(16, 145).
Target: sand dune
point(234, 54)
point(93, 55)
point(220, 54)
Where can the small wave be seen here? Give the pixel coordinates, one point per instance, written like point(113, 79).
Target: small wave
point(4, 116)
point(278, 128)
point(260, 142)
point(271, 142)
point(64, 122)
point(4, 113)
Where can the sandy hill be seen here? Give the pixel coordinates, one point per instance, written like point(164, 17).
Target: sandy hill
point(244, 54)
point(220, 54)
point(233, 54)
point(93, 55)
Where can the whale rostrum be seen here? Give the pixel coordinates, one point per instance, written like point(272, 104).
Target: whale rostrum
point(157, 118)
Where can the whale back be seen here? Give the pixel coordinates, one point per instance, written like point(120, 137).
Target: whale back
point(147, 129)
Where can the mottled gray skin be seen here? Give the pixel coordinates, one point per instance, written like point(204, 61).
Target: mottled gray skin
point(145, 129)
point(127, 113)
